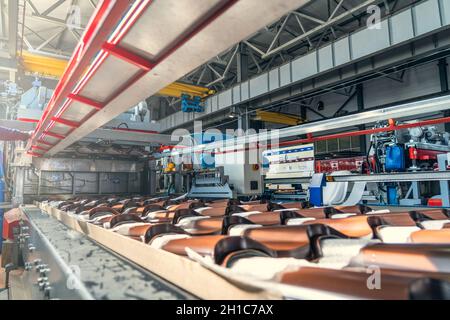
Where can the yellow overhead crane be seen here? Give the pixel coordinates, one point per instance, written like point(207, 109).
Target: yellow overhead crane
point(46, 67)
point(279, 118)
point(54, 68)
point(177, 89)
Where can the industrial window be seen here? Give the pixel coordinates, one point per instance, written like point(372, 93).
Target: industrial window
point(345, 143)
point(337, 145)
point(333, 145)
point(321, 147)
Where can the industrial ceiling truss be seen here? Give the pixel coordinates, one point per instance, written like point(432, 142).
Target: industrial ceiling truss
point(53, 27)
point(298, 32)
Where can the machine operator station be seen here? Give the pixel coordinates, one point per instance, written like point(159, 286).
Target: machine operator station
point(280, 150)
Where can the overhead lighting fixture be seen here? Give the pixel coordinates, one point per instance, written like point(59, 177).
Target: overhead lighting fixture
point(233, 114)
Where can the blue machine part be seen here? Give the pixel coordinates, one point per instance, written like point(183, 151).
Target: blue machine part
point(208, 159)
point(265, 162)
point(318, 182)
point(2, 199)
point(208, 137)
point(395, 158)
point(189, 104)
point(392, 196)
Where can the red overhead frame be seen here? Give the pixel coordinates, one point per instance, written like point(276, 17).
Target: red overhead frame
point(45, 143)
point(34, 154)
point(95, 104)
point(66, 122)
point(54, 135)
point(27, 120)
point(39, 148)
point(107, 16)
point(96, 43)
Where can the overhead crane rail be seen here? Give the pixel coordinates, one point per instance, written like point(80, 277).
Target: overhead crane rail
point(279, 118)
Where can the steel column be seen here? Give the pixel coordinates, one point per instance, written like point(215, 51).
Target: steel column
point(360, 105)
point(13, 17)
point(242, 64)
point(443, 77)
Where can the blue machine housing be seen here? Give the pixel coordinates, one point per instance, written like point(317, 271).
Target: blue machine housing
point(395, 158)
point(392, 196)
point(189, 104)
point(208, 159)
point(318, 182)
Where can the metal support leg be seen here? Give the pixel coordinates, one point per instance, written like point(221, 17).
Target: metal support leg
point(72, 175)
point(99, 188)
point(414, 190)
point(100, 183)
point(8, 268)
point(442, 162)
point(39, 183)
point(18, 186)
point(243, 120)
point(152, 177)
point(408, 194)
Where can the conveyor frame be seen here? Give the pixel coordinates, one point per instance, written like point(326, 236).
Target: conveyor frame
point(183, 272)
point(66, 265)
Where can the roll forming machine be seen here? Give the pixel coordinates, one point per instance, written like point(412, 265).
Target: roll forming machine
point(285, 249)
point(59, 263)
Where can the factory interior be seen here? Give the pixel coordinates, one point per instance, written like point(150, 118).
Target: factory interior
point(193, 150)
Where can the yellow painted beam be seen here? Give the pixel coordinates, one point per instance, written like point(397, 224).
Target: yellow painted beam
point(43, 66)
point(54, 68)
point(279, 118)
point(177, 89)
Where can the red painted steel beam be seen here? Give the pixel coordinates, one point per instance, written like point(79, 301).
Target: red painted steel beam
point(213, 15)
point(27, 120)
point(34, 154)
point(107, 16)
point(39, 148)
point(66, 122)
point(129, 56)
point(94, 104)
point(113, 47)
point(54, 135)
point(45, 143)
